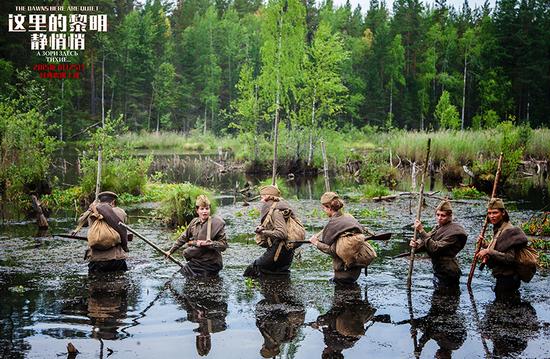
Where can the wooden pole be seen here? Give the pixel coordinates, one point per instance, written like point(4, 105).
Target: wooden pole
point(152, 244)
point(41, 220)
point(325, 166)
point(419, 211)
point(485, 224)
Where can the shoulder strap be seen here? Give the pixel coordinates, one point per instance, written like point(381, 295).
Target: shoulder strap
point(269, 214)
point(209, 229)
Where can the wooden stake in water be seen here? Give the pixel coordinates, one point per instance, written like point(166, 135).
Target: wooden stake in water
point(325, 166)
point(485, 224)
point(419, 211)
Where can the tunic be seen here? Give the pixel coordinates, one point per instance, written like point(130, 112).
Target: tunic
point(337, 225)
point(276, 235)
point(204, 260)
point(112, 259)
point(442, 245)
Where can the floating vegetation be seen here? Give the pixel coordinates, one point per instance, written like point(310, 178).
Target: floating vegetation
point(537, 225)
point(467, 193)
point(370, 213)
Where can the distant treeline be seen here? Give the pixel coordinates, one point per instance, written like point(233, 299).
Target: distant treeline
point(233, 66)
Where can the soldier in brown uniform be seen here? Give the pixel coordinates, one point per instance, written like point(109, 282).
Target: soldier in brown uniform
point(113, 259)
point(277, 258)
point(339, 224)
point(204, 240)
point(500, 253)
point(442, 245)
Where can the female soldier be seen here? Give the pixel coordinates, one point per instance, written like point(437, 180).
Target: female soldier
point(339, 224)
point(500, 253)
point(443, 244)
point(273, 235)
point(204, 240)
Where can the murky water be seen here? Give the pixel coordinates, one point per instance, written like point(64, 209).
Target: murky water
point(48, 299)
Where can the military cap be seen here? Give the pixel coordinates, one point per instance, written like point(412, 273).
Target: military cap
point(496, 203)
point(328, 197)
point(444, 206)
point(270, 190)
point(107, 196)
point(202, 201)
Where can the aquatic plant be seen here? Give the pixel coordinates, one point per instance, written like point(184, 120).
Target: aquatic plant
point(371, 190)
point(537, 225)
point(467, 193)
point(369, 213)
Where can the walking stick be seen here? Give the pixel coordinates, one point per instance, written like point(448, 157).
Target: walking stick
point(418, 212)
point(485, 224)
point(152, 244)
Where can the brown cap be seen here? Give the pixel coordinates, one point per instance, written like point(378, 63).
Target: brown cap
point(202, 201)
point(327, 197)
point(270, 190)
point(107, 196)
point(496, 203)
point(444, 206)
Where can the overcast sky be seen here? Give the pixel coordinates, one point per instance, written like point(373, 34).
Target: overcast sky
point(457, 4)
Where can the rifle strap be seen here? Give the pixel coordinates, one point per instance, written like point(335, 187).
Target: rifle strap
point(209, 229)
point(278, 251)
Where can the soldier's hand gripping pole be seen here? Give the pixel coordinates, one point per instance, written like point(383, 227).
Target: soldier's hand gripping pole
point(419, 212)
point(485, 224)
point(152, 244)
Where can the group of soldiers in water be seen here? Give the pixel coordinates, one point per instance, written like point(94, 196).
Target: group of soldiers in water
point(204, 239)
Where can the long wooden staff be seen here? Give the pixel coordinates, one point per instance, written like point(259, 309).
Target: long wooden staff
point(418, 212)
point(152, 244)
point(485, 224)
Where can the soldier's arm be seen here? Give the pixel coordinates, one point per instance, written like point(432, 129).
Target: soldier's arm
point(508, 257)
point(184, 238)
point(220, 241)
point(436, 246)
point(278, 233)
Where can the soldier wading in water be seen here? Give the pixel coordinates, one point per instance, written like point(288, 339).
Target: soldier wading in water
point(204, 240)
point(272, 234)
point(340, 225)
point(500, 253)
point(111, 257)
point(442, 245)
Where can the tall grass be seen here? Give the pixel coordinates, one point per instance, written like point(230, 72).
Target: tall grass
point(460, 147)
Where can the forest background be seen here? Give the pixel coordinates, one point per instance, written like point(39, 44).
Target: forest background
point(218, 74)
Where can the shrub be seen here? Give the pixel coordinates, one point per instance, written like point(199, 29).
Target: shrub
point(467, 193)
point(121, 172)
point(178, 207)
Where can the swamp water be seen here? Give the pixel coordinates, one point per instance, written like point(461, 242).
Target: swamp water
point(47, 298)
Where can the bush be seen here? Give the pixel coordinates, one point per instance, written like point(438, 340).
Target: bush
point(467, 193)
point(178, 206)
point(26, 150)
point(121, 172)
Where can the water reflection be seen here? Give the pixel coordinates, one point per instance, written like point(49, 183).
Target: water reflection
point(279, 315)
point(205, 301)
point(509, 325)
point(444, 323)
point(108, 305)
point(344, 324)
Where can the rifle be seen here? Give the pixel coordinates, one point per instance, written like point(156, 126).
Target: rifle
point(418, 212)
point(484, 228)
point(151, 244)
point(82, 238)
point(375, 237)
